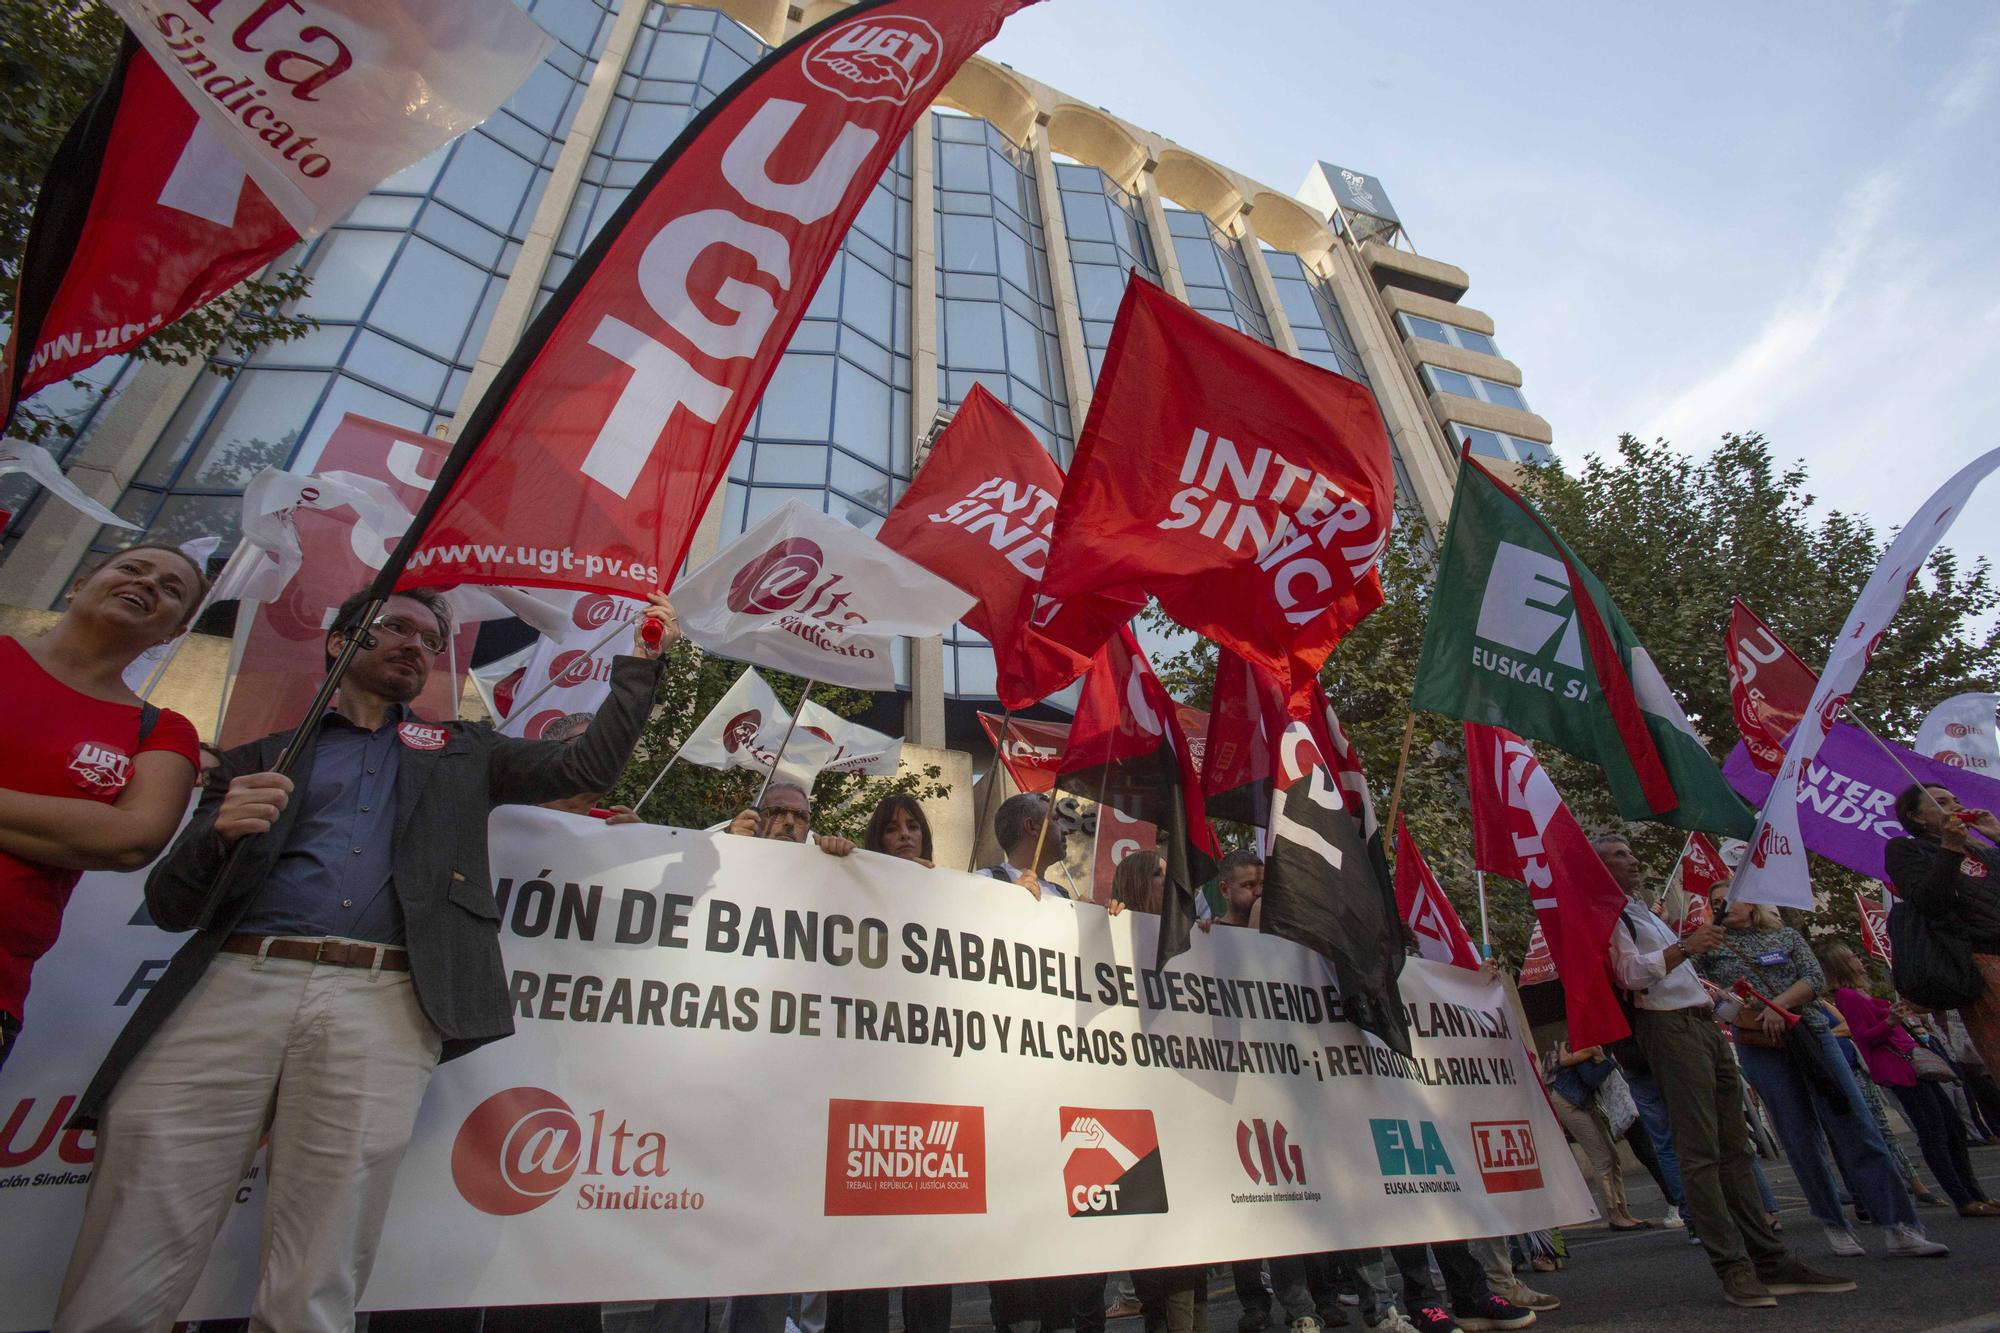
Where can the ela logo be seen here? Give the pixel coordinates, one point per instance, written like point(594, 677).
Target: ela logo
point(1506, 1152)
point(1413, 1153)
point(1111, 1163)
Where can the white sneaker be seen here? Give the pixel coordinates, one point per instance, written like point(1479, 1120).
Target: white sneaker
point(1906, 1242)
point(1305, 1324)
point(1393, 1322)
point(1846, 1246)
point(1673, 1219)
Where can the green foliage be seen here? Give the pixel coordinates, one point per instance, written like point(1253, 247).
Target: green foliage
point(694, 797)
point(1674, 537)
point(53, 56)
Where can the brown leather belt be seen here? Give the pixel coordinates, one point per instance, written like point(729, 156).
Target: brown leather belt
point(334, 953)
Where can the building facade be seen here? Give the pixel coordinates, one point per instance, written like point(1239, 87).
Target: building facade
point(994, 251)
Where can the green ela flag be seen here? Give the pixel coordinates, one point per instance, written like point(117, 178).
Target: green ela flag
point(1508, 646)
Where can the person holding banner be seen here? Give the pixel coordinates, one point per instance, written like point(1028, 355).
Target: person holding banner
point(785, 814)
point(1939, 871)
point(97, 779)
point(899, 827)
point(346, 941)
point(1018, 827)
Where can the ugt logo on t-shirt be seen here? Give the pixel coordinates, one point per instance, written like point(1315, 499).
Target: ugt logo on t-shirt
point(99, 767)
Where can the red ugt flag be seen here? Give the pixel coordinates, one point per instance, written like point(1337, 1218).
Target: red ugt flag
point(1769, 687)
point(1426, 910)
point(589, 461)
point(979, 515)
point(144, 215)
point(1524, 831)
point(1248, 491)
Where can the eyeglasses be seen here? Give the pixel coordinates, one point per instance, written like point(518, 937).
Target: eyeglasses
point(774, 813)
point(430, 640)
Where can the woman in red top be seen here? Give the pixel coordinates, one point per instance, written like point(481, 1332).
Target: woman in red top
point(1879, 1034)
point(86, 784)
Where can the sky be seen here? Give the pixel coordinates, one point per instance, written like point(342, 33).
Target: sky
point(1684, 219)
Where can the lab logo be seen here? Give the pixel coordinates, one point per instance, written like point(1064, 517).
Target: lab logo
point(776, 579)
point(99, 767)
point(1505, 1150)
point(420, 736)
point(881, 58)
point(1412, 1158)
point(904, 1159)
point(1111, 1162)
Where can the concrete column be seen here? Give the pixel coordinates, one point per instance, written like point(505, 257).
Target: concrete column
point(924, 722)
point(42, 561)
point(517, 299)
point(1062, 282)
point(1267, 289)
point(1163, 240)
point(1420, 441)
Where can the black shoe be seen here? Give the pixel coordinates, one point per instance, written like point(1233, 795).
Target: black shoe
point(1431, 1319)
point(1489, 1312)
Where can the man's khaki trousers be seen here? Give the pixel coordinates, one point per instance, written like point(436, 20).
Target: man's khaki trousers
point(335, 1060)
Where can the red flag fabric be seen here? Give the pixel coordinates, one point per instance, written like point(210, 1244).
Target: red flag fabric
point(1769, 687)
point(1538, 965)
point(144, 215)
point(1031, 750)
point(1576, 901)
point(1250, 492)
point(1127, 749)
point(1698, 872)
point(1117, 836)
point(1874, 918)
point(284, 652)
point(980, 514)
point(1441, 936)
point(590, 459)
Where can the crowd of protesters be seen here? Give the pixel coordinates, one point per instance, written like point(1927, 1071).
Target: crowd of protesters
point(377, 875)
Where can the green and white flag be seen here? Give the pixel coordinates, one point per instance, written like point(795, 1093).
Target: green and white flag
point(1508, 645)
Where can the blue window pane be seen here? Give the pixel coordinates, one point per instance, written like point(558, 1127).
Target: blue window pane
point(1428, 329)
point(1505, 395)
point(799, 403)
point(1476, 342)
point(1450, 381)
point(429, 298)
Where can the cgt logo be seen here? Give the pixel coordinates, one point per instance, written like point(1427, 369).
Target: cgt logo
point(522, 1147)
point(904, 1159)
point(876, 59)
point(1505, 1150)
point(1111, 1166)
point(1276, 1155)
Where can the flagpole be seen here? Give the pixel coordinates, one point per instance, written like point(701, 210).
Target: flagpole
point(1485, 942)
point(1402, 762)
point(986, 797)
point(1096, 837)
point(1892, 757)
point(647, 794)
point(779, 757)
point(451, 666)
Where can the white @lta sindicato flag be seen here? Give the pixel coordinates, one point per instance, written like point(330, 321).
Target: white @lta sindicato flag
point(1775, 869)
point(321, 101)
point(805, 593)
point(748, 724)
point(1962, 732)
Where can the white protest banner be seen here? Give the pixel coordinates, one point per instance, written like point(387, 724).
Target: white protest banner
point(21, 456)
point(809, 594)
point(856, 749)
point(1775, 871)
point(747, 1066)
point(320, 101)
point(1962, 732)
point(570, 672)
point(745, 728)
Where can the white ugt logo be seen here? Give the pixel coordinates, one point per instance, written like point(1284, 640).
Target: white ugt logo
point(207, 180)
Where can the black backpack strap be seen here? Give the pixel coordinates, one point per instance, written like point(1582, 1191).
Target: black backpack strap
point(149, 717)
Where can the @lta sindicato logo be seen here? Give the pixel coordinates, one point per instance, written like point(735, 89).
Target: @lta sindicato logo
point(523, 1147)
point(1111, 1162)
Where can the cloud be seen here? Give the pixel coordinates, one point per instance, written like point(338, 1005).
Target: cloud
point(1962, 91)
point(1743, 389)
point(1897, 19)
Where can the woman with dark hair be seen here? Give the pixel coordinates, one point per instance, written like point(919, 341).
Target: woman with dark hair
point(1955, 882)
point(1804, 1080)
point(1139, 883)
point(1885, 1044)
point(96, 778)
point(899, 827)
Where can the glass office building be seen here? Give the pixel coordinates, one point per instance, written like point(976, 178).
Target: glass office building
point(993, 251)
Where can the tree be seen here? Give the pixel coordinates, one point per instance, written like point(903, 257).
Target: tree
point(1673, 537)
point(53, 56)
point(694, 797)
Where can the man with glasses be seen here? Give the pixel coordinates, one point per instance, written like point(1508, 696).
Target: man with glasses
point(786, 815)
point(351, 944)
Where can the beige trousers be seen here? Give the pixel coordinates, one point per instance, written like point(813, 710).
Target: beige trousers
point(335, 1060)
point(1588, 1129)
